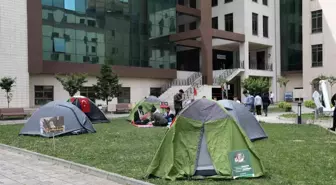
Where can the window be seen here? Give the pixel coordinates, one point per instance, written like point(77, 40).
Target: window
point(125, 95)
point(228, 1)
point(317, 55)
point(316, 21)
point(215, 22)
point(43, 94)
point(229, 22)
point(254, 24)
point(93, 49)
point(214, 2)
point(181, 28)
point(192, 26)
point(192, 3)
point(265, 26)
point(265, 2)
point(70, 5)
point(59, 45)
point(155, 91)
point(88, 92)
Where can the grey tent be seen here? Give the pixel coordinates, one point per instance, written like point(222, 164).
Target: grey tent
point(245, 119)
point(57, 118)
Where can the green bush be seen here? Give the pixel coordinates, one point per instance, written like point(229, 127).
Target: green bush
point(281, 104)
point(309, 104)
point(287, 107)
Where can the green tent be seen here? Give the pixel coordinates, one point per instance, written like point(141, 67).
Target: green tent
point(146, 104)
point(205, 142)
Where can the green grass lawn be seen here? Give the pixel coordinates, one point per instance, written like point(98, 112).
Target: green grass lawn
point(306, 116)
point(293, 154)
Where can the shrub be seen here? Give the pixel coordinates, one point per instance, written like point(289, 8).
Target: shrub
point(281, 104)
point(309, 104)
point(287, 107)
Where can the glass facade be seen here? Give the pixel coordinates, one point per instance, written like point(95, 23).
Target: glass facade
point(291, 35)
point(120, 32)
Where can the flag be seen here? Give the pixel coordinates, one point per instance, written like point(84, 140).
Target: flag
point(85, 104)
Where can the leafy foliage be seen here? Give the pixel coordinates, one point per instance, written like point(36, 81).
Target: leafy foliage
point(310, 104)
point(285, 106)
point(7, 83)
point(332, 82)
point(283, 81)
point(72, 83)
point(107, 86)
point(256, 84)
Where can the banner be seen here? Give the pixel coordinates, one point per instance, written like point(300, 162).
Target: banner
point(52, 125)
point(241, 164)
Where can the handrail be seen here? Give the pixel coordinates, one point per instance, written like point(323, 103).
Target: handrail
point(181, 82)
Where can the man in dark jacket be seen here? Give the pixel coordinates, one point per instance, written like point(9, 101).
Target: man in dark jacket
point(266, 102)
point(333, 99)
point(178, 99)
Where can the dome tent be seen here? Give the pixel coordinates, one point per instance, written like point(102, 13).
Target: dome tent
point(64, 116)
point(245, 119)
point(147, 104)
point(206, 142)
point(89, 108)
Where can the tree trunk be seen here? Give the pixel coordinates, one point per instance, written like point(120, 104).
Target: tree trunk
point(7, 99)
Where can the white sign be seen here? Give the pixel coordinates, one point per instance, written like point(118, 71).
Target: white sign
point(221, 57)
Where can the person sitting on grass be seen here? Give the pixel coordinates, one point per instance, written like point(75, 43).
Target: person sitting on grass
point(158, 119)
point(139, 117)
point(168, 114)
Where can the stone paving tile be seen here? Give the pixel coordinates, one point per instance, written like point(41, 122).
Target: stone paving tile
point(18, 169)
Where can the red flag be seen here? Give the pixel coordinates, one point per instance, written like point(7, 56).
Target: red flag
point(195, 91)
point(85, 104)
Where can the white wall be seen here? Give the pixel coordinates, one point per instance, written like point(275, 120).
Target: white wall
point(140, 88)
point(14, 50)
point(327, 38)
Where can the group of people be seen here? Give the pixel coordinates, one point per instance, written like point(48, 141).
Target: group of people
point(154, 116)
point(259, 101)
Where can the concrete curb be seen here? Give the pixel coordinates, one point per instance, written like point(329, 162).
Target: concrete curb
point(78, 167)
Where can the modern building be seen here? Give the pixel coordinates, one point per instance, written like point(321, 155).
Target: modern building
point(155, 46)
point(319, 41)
point(308, 41)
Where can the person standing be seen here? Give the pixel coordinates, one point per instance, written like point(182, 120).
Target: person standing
point(266, 100)
point(249, 102)
point(333, 99)
point(271, 97)
point(178, 99)
point(258, 104)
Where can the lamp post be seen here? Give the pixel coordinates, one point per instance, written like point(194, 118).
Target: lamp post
point(299, 119)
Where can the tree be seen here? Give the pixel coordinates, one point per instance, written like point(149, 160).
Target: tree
point(7, 83)
point(107, 86)
point(223, 83)
point(72, 83)
point(316, 82)
point(283, 81)
point(256, 85)
point(332, 82)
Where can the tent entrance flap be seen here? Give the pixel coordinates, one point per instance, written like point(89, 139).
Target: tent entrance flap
point(204, 166)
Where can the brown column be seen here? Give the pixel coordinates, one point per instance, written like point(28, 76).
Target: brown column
point(206, 36)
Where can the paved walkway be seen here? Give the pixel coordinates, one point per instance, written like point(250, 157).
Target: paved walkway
point(18, 169)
